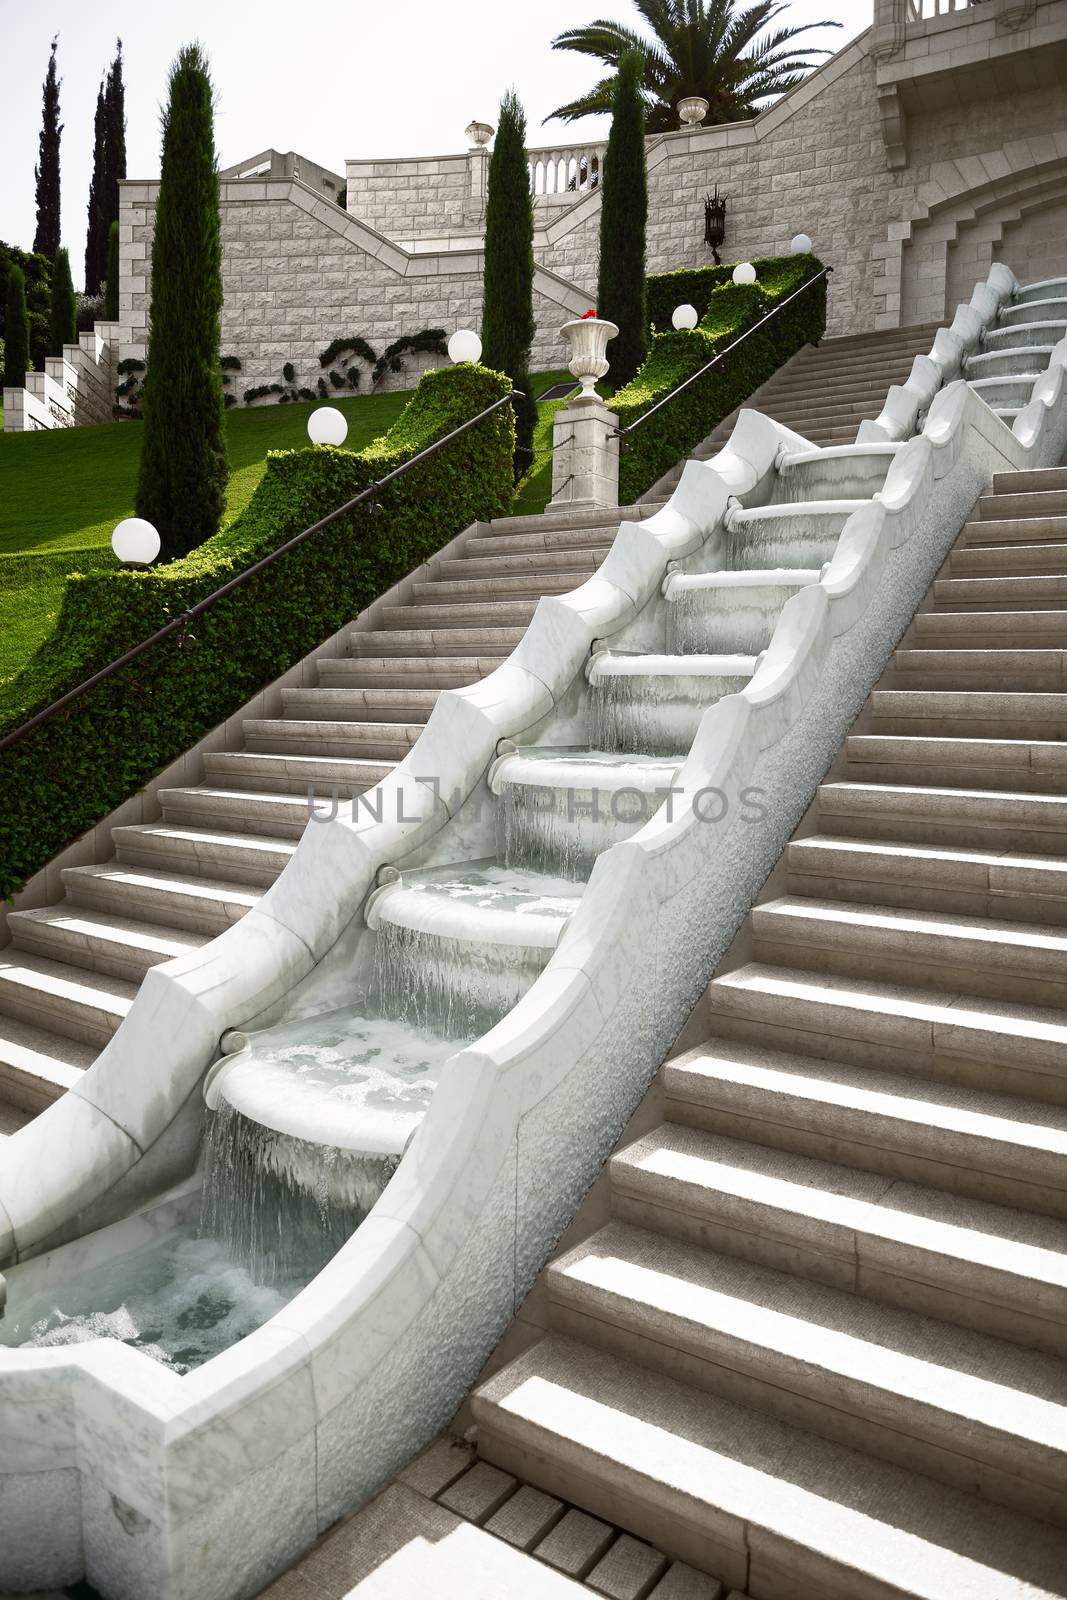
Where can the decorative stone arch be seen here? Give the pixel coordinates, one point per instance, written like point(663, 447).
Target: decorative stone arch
point(960, 216)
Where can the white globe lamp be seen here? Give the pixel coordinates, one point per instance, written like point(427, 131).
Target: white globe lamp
point(464, 345)
point(800, 245)
point(685, 316)
point(135, 542)
point(744, 272)
point(327, 425)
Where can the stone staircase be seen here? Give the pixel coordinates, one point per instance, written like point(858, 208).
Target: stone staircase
point(825, 391)
point(817, 1347)
point(71, 971)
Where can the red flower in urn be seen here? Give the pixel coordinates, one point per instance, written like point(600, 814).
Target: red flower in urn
point(589, 313)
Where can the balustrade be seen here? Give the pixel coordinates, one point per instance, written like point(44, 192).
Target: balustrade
point(566, 172)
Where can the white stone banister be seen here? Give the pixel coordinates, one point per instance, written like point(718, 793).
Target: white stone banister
point(565, 172)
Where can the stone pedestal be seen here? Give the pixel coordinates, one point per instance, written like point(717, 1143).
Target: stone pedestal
point(585, 456)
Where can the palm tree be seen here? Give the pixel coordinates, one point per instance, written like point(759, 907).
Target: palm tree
point(698, 47)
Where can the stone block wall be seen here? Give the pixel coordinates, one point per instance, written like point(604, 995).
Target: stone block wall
point(411, 199)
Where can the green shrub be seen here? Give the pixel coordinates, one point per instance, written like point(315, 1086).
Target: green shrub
point(64, 313)
point(673, 356)
point(689, 286)
point(16, 331)
point(63, 777)
point(623, 222)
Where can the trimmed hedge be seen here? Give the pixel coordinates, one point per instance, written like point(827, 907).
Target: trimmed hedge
point(731, 308)
point(68, 774)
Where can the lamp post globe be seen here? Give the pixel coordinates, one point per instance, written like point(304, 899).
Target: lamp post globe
point(464, 345)
point(800, 245)
point(744, 272)
point(135, 542)
point(327, 425)
point(685, 316)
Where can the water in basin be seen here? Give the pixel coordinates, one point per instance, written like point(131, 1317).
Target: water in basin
point(731, 611)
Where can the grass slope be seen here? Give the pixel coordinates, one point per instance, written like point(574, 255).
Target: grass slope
point(63, 492)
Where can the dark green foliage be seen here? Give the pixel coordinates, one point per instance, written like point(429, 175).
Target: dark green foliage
point(109, 165)
point(259, 390)
point(689, 286)
point(37, 272)
point(111, 290)
point(724, 50)
point(681, 425)
point(95, 265)
point(129, 393)
point(64, 319)
point(623, 217)
point(16, 331)
point(430, 341)
point(62, 779)
point(46, 239)
point(182, 484)
point(359, 347)
point(230, 363)
point(507, 312)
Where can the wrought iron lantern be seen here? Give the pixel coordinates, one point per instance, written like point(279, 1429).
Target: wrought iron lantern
point(715, 222)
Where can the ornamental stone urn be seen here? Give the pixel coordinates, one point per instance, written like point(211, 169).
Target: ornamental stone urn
point(693, 109)
point(588, 338)
point(479, 133)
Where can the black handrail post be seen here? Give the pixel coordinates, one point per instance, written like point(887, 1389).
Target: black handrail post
point(182, 621)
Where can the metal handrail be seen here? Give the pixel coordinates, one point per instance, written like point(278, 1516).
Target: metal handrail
point(180, 623)
point(621, 433)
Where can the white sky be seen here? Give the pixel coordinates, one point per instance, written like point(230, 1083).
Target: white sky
point(333, 79)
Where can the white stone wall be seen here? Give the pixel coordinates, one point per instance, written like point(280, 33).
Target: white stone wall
point(984, 178)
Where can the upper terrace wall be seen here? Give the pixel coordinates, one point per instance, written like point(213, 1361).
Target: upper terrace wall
point(912, 170)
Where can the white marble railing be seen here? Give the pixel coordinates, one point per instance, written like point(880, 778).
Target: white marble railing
point(566, 172)
point(924, 10)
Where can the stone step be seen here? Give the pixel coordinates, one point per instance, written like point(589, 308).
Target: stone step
point(83, 1005)
point(1007, 764)
point(1016, 530)
point(951, 1038)
point(975, 1412)
point(1014, 499)
point(1002, 593)
point(439, 643)
point(1039, 480)
point(915, 813)
point(400, 672)
point(548, 540)
point(1004, 960)
point(255, 771)
point(354, 704)
point(381, 741)
point(774, 1509)
point(38, 1066)
point(982, 713)
point(524, 564)
point(198, 852)
point(986, 629)
point(981, 883)
point(199, 904)
point(989, 1147)
point(1042, 670)
point(509, 586)
point(116, 946)
point(860, 386)
point(269, 813)
point(477, 614)
point(566, 522)
point(989, 1267)
point(1011, 560)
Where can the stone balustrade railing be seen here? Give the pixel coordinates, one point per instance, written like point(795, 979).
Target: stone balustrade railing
point(564, 173)
point(924, 10)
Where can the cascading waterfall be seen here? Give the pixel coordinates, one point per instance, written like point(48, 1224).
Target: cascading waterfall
point(282, 1206)
point(455, 987)
point(651, 706)
point(736, 616)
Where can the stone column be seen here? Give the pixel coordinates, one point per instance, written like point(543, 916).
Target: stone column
point(585, 456)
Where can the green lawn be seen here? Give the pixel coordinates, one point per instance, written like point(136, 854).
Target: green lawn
point(62, 492)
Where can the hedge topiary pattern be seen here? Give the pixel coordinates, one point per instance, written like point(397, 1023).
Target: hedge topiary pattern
point(67, 775)
point(676, 430)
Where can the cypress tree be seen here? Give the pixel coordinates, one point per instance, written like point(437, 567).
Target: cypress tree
point(64, 326)
point(16, 330)
point(111, 281)
point(46, 239)
point(183, 470)
point(94, 264)
point(507, 312)
point(623, 216)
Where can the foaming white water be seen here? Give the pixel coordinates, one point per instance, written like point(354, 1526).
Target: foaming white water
point(180, 1300)
point(559, 810)
point(731, 616)
point(802, 536)
point(658, 714)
